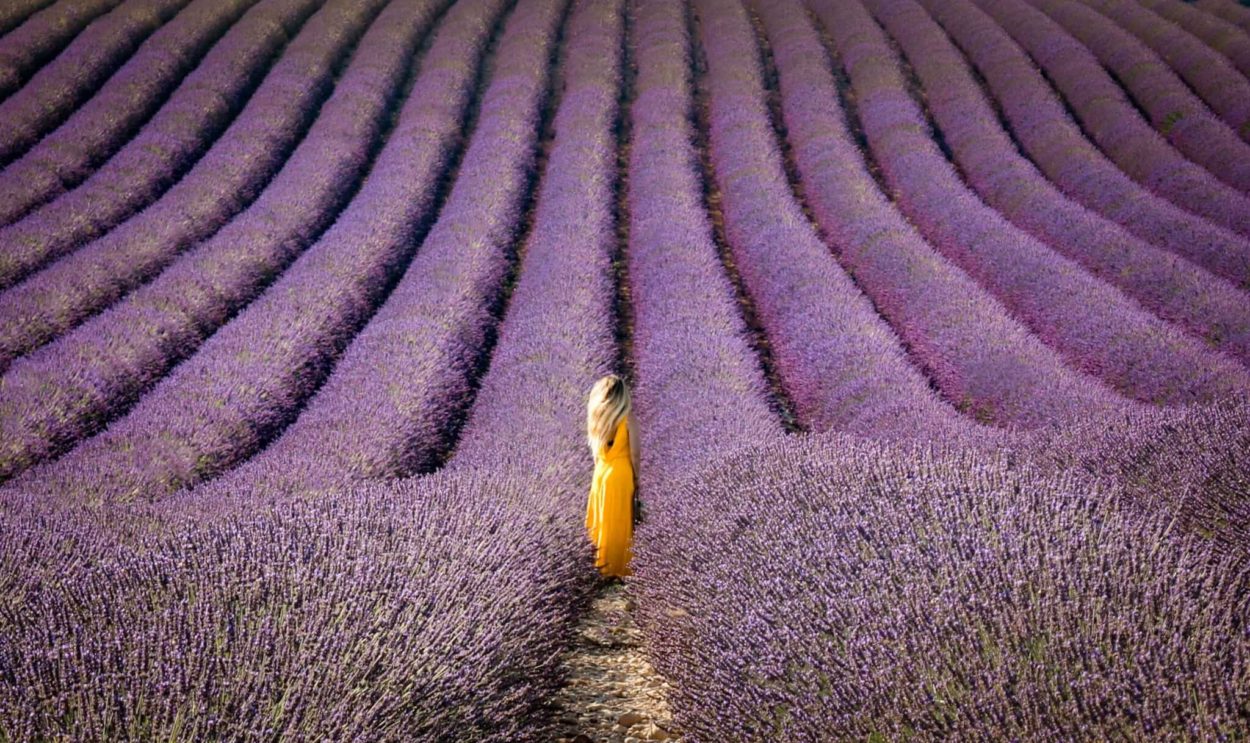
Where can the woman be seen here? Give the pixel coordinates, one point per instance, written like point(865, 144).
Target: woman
point(609, 508)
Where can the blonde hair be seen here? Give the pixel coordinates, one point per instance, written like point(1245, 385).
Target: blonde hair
point(607, 404)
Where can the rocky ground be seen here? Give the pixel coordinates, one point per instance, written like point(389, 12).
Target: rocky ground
point(613, 694)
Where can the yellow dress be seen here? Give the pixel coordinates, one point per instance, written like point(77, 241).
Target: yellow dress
point(609, 509)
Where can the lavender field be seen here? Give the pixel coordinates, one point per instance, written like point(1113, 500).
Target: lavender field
point(936, 313)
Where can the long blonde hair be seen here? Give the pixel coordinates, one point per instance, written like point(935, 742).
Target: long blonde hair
point(607, 404)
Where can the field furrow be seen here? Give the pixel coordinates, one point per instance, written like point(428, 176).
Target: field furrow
point(101, 125)
point(76, 73)
point(164, 149)
point(987, 158)
point(1091, 324)
point(223, 182)
point(68, 389)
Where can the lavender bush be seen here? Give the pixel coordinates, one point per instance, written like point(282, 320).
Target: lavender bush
point(60, 86)
point(41, 36)
point(423, 610)
point(1058, 146)
point(835, 588)
point(177, 135)
point(97, 128)
point(1094, 326)
point(1112, 122)
point(1175, 290)
point(66, 390)
point(1210, 75)
point(221, 183)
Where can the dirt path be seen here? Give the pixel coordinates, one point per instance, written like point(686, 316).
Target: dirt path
point(613, 694)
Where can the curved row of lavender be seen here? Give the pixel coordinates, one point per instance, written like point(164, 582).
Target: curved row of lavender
point(249, 379)
point(63, 157)
point(1176, 290)
point(1219, 34)
point(1056, 144)
point(698, 385)
point(62, 85)
point(221, 184)
point(391, 406)
point(1118, 128)
point(1158, 91)
point(832, 586)
point(205, 102)
point(844, 367)
point(983, 361)
point(1210, 75)
point(68, 389)
point(24, 49)
point(357, 621)
point(1093, 325)
point(1229, 10)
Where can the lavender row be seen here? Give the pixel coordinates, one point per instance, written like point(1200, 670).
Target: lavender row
point(60, 86)
point(1057, 145)
point(100, 126)
point(391, 406)
point(41, 36)
point(1228, 10)
point(419, 611)
point(700, 388)
point(183, 128)
point(16, 12)
point(980, 358)
point(836, 588)
point(558, 335)
point(1171, 106)
point(248, 380)
point(1211, 76)
point(223, 182)
point(1176, 290)
point(1117, 127)
point(66, 390)
point(1218, 34)
point(1095, 327)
